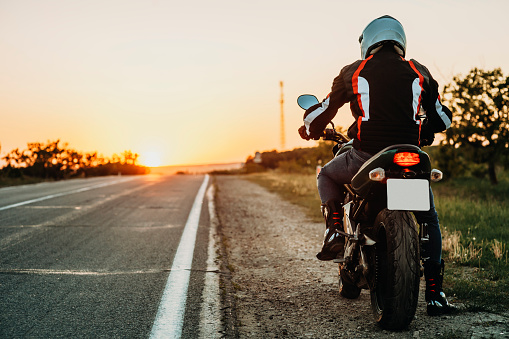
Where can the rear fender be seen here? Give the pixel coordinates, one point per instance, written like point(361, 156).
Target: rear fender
point(384, 159)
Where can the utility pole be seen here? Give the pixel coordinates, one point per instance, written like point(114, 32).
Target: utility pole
point(282, 118)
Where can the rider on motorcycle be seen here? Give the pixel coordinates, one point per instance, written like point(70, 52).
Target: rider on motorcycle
point(386, 93)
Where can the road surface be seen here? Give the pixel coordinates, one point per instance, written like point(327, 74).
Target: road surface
point(92, 257)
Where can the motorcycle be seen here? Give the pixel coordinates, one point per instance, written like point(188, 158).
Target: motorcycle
point(383, 242)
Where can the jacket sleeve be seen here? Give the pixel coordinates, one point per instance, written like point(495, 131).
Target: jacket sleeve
point(318, 116)
point(438, 116)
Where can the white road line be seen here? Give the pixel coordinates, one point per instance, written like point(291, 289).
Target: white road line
point(170, 315)
point(56, 195)
point(210, 315)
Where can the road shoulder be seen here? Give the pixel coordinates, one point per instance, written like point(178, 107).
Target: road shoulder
point(277, 288)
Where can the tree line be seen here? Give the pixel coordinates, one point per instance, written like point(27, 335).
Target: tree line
point(476, 144)
point(56, 160)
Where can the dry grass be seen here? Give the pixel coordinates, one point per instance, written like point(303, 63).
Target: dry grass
point(299, 189)
point(498, 249)
point(451, 244)
point(456, 251)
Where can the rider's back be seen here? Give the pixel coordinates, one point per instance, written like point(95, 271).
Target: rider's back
point(386, 91)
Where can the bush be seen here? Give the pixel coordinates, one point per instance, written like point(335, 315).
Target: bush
point(54, 161)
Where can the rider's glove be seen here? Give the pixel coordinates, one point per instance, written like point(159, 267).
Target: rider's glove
point(303, 134)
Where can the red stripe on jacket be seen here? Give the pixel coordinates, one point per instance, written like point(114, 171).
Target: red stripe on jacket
point(421, 81)
point(355, 84)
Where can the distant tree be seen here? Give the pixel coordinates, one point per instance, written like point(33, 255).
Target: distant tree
point(46, 160)
point(270, 159)
point(115, 158)
point(129, 157)
point(52, 160)
point(14, 158)
point(480, 105)
point(91, 160)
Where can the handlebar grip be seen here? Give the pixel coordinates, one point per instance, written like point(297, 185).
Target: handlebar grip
point(329, 133)
point(332, 134)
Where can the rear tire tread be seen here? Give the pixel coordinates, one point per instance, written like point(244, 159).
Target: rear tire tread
point(402, 278)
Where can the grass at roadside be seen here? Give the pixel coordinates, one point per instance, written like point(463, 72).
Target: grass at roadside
point(299, 189)
point(473, 216)
point(5, 182)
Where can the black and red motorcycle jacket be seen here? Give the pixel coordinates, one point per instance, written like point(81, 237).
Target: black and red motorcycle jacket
point(386, 93)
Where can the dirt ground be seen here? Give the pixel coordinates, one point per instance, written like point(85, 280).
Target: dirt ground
point(277, 288)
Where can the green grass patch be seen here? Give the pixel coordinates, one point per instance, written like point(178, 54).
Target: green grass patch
point(481, 289)
point(473, 216)
point(474, 207)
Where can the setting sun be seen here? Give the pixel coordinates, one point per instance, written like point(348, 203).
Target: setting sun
point(151, 159)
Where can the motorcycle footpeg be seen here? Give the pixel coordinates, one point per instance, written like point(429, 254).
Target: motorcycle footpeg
point(343, 260)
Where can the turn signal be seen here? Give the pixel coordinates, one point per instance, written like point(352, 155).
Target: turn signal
point(436, 175)
point(378, 174)
point(406, 159)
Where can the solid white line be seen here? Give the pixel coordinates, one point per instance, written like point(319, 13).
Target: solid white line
point(56, 195)
point(170, 315)
point(210, 315)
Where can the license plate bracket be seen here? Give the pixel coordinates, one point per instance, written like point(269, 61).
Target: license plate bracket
point(408, 194)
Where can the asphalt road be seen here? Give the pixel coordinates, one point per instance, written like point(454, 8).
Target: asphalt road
point(91, 257)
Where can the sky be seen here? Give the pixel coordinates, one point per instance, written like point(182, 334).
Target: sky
point(198, 81)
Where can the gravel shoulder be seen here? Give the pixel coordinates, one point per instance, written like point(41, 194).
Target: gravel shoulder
point(275, 287)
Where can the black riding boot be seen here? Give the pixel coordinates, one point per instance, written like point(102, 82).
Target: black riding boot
point(437, 303)
point(334, 242)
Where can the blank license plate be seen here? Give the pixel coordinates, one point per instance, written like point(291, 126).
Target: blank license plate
point(408, 194)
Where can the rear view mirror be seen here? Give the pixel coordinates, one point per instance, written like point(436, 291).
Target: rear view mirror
point(307, 100)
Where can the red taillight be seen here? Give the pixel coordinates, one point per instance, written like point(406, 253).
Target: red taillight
point(406, 159)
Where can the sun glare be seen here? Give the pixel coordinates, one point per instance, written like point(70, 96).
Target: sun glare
point(151, 159)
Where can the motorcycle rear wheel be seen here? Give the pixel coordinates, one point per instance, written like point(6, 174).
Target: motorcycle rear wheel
point(396, 282)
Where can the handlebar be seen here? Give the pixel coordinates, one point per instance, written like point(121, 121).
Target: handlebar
point(332, 134)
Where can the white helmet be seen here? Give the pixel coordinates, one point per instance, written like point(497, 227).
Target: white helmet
point(382, 30)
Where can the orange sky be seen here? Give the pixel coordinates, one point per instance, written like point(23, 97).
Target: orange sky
point(193, 82)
